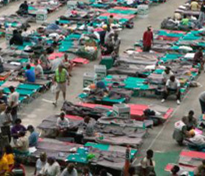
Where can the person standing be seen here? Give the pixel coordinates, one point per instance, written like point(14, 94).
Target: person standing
point(13, 102)
point(201, 18)
point(147, 39)
point(60, 78)
point(202, 102)
point(6, 122)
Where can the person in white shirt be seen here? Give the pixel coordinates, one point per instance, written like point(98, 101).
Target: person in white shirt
point(62, 124)
point(13, 102)
point(172, 86)
point(40, 163)
point(38, 70)
point(166, 74)
point(70, 170)
point(52, 168)
point(147, 164)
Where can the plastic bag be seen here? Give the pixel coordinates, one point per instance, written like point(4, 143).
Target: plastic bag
point(54, 88)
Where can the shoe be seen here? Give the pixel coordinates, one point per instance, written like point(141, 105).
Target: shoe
point(163, 100)
point(55, 104)
point(178, 102)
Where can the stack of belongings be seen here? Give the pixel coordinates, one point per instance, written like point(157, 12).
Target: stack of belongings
point(138, 64)
point(142, 114)
point(110, 94)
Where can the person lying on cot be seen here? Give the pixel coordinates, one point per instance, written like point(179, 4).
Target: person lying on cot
point(62, 124)
point(197, 139)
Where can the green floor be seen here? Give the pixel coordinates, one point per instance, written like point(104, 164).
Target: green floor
point(162, 159)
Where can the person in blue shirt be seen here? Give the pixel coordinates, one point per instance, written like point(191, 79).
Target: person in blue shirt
point(33, 138)
point(30, 74)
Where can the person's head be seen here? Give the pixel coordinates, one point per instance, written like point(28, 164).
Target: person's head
point(87, 120)
point(66, 56)
point(28, 67)
point(167, 70)
point(25, 2)
point(191, 114)
point(111, 16)
point(12, 89)
point(185, 16)
point(15, 32)
point(17, 121)
point(43, 157)
point(25, 29)
point(51, 160)
point(57, 22)
point(175, 169)
point(70, 168)
point(172, 78)
point(62, 115)
point(131, 171)
point(8, 149)
point(22, 133)
point(103, 172)
point(86, 170)
point(150, 154)
point(149, 28)
point(30, 128)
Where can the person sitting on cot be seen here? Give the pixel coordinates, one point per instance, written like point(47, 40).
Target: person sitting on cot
point(62, 124)
point(172, 86)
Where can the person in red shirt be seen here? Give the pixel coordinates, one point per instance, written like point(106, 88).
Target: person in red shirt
point(147, 39)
